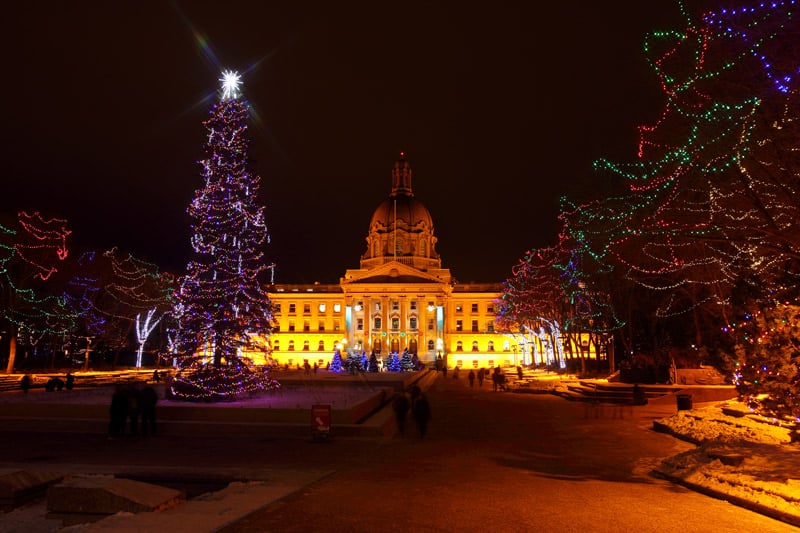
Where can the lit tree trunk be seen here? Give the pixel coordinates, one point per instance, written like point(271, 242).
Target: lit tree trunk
point(12, 349)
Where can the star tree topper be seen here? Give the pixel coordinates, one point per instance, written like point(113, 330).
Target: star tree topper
point(231, 80)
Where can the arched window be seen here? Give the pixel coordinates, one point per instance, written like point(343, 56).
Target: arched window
point(491, 346)
point(276, 345)
point(412, 323)
point(321, 347)
point(474, 346)
point(291, 346)
point(506, 346)
point(459, 347)
point(430, 345)
point(305, 346)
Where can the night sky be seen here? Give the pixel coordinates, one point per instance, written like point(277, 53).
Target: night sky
point(501, 107)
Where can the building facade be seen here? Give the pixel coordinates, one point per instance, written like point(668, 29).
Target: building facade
point(400, 298)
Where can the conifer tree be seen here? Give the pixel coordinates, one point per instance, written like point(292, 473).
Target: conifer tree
point(222, 305)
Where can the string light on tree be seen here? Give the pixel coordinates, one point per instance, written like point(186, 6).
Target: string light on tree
point(221, 307)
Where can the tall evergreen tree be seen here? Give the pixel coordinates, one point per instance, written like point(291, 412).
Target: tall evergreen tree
point(222, 306)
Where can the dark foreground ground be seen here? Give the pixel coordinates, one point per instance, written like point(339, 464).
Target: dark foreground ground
point(490, 461)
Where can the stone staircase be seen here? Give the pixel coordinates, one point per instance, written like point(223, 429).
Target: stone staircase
point(602, 392)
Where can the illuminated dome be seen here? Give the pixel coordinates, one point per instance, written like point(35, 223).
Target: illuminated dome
point(401, 228)
point(404, 210)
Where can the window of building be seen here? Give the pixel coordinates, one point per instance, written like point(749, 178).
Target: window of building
point(474, 363)
point(377, 306)
point(276, 345)
point(291, 325)
point(474, 308)
point(491, 346)
point(459, 346)
point(490, 308)
point(321, 346)
point(459, 308)
point(359, 324)
point(506, 346)
point(474, 346)
point(306, 325)
point(430, 324)
point(306, 309)
point(276, 307)
point(322, 308)
point(305, 346)
point(335, 325)
point(430, 345)
point(321, 325)
point(377, 323)
point(395, 305)
point(474, 326)
point(413, 305)
point(337, 308)
point(412, 323)
point(277, 327)
point(459, 363)
point(459, 325)
point(291, 346)
point(490, 326)
point(395, 323)
point(491, 363)
point(292, 309)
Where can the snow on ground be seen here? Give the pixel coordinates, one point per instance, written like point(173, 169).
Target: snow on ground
point(741, 457)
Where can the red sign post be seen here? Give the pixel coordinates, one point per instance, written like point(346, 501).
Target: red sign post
point(321, 421)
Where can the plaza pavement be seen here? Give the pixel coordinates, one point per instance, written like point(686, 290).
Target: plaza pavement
point(255, 489)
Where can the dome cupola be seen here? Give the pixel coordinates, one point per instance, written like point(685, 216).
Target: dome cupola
point(401, 228)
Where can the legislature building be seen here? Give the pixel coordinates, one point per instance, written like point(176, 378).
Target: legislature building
point(400, 298)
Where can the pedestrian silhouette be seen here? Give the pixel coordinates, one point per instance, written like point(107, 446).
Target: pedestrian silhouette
point(481, 375)
point(118, 413)
point(400, 405)
point(471, 378)
point(25, 383)
point(148, 399)
point(422, 414)
point(134, 408)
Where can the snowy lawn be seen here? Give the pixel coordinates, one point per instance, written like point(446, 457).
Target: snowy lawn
point(741, 457)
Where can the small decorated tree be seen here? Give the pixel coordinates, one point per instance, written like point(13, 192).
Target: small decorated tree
point(336, 362)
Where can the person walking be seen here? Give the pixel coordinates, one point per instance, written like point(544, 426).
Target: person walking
point(118, 413)
point(471, 378)
point(481, 375)
point(422, 414)
point(400, 404)
point(25, 383)
point(148, 399)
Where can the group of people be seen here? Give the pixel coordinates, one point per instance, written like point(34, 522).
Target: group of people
point(129, 404)
point(498, 378)
point(52, 384)
point(415, 401)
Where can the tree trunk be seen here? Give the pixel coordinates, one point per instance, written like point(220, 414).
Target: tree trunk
point(12, 350)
